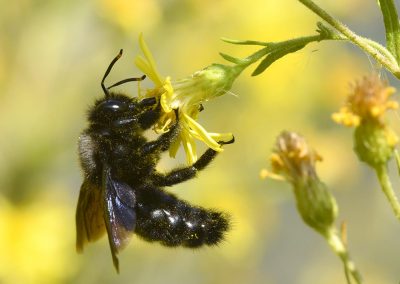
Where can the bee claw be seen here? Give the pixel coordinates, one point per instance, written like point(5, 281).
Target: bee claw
point(176, 111)
point(227, 142)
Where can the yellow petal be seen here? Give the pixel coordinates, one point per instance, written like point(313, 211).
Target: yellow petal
point(164, 101)
point(190, 148)
point(221, 137)
point(146, 68)
point(149, 57)
point(198, 129)
point(264, 173)
point(173, 149)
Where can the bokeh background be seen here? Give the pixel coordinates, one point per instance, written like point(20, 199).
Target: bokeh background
point(52, 57)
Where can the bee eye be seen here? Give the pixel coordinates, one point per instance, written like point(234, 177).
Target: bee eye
point(113, 106)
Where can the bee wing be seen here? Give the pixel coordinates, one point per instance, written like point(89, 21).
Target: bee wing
point(119, 213)
point(89, 215)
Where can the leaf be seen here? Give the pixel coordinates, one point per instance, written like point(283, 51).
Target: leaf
point(328, 33)
point(245, 42)
point(273, 56)
point(231, 58)
point(392, 27)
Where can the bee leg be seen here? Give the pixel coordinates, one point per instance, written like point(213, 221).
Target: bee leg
point(163, 142)
point(183, 174)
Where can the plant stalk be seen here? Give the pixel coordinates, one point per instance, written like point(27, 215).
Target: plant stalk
point(391, 65)
point(340, 249)
point(387, 189)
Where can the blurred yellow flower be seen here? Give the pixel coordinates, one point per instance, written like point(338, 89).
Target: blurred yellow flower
point(187, 95)
point(292, 159)
point(131, 15)
point(366, 105)
point(369, 100)
point(34, 242)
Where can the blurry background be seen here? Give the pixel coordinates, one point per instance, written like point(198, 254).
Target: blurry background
point(52, 57)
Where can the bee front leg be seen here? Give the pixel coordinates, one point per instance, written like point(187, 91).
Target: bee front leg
point(163, 142)
point(183, 174)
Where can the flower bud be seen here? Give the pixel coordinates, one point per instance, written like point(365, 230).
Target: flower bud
point(374, 143)
point(369, 99)
point(315, 204)
point(295, 161)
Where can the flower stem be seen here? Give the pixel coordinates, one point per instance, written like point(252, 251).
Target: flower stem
point(387, 188)
point(391, 65)
point(340, 249)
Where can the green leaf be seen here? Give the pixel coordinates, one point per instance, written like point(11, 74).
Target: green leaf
point(328, 33)
point(231, 58)
point(392, 27)
point(245, 42)
point(273, 56)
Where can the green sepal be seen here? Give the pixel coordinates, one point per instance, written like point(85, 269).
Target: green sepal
point(315, 203)
point(371, 143)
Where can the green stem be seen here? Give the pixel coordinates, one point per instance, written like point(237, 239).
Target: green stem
point(392, 66)
point(392, 27)
point(340, 249)
point(397, 158)
point(380, 48)
point(386, 185)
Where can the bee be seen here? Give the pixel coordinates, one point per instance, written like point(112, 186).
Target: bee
point(123, 193)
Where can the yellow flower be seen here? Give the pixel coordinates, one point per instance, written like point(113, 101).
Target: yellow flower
point(374, 140)
point(187, 95)
point(369, 100)
point(30, 242)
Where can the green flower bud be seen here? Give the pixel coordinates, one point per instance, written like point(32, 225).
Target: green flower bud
point(316, 204)
point(295, 161)
point(374, 143)
point(365, 109)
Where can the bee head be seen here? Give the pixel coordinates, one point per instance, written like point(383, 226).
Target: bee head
point(117, 110)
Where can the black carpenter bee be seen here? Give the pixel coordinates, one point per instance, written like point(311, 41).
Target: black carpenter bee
point(122, 193)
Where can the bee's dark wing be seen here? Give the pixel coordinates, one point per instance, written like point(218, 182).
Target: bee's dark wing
point(119, 203)
point(89, 215)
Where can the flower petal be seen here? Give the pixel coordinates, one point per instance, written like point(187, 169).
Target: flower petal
point(146, 68)
point(173, 149)
point(164, 101)
point(198, 129)
point(149, 57)
point(189, 145)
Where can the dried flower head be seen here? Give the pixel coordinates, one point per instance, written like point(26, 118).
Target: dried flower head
point(187, 95)
point(292, 157)
point(295, 161)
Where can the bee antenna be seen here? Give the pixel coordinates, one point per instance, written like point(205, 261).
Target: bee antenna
point(126, 81)
point(105, 90)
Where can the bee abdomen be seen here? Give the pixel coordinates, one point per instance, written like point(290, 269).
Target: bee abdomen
point(176, 223)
